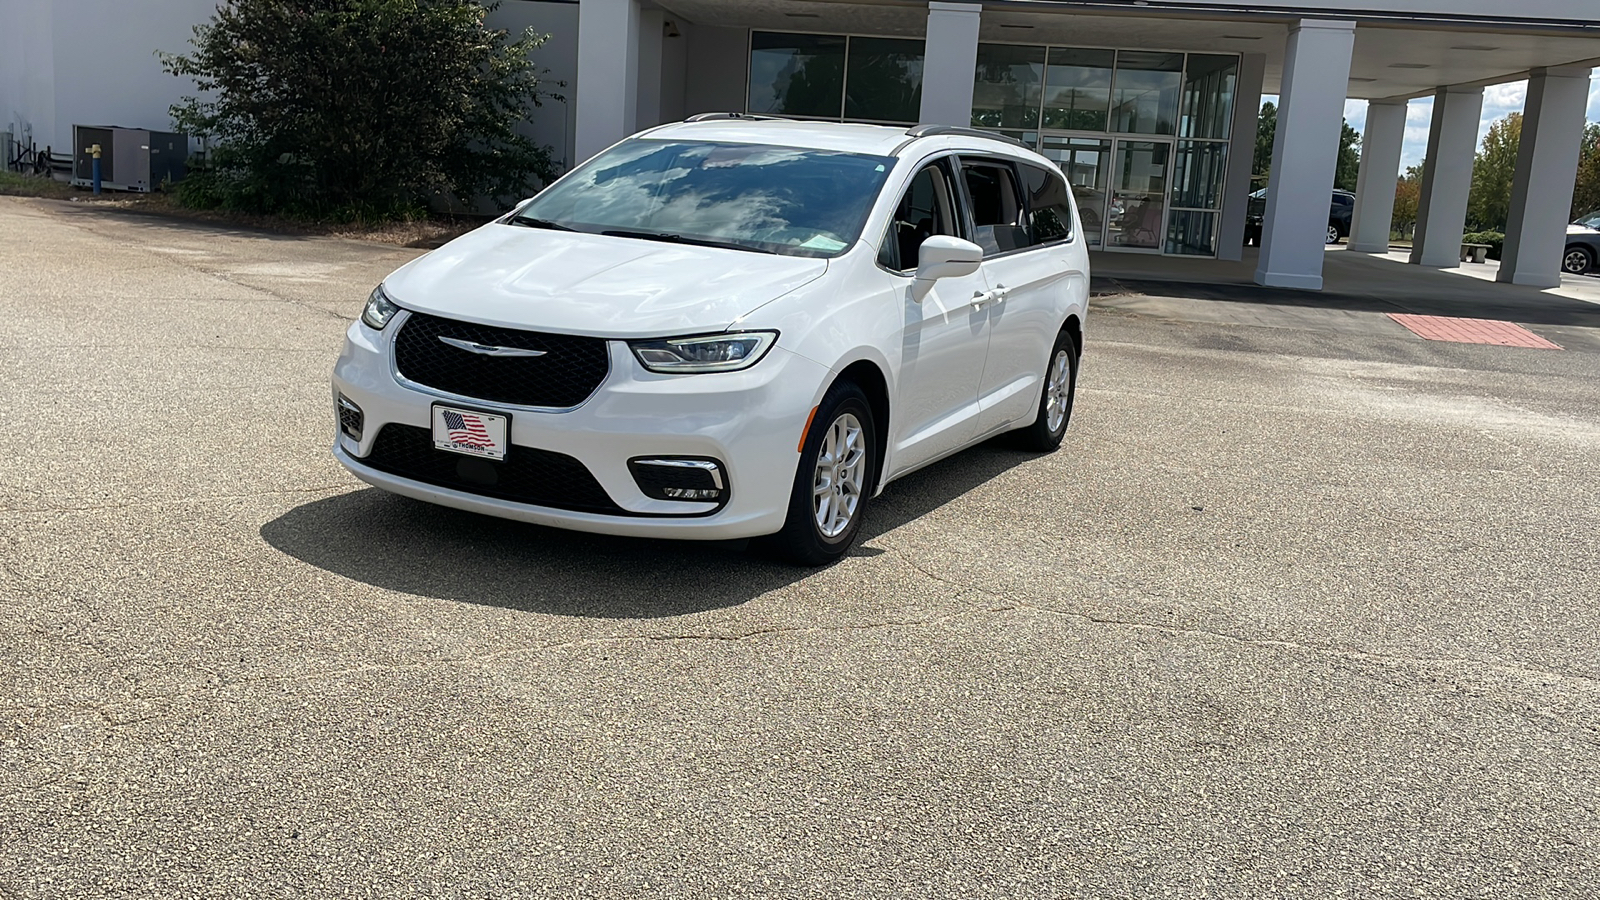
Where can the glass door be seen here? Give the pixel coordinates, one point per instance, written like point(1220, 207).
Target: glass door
point(1136, 215)
point(1086, 161)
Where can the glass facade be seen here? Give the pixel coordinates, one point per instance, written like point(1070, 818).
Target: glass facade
point(1142, 136)
point(837, 77)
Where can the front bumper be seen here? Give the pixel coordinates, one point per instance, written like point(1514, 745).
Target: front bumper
point(750, 421)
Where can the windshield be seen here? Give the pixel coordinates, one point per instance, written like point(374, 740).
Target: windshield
point(1591, 220)
point(744, 196)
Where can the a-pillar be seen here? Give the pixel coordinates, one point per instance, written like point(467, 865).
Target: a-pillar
point(1447, 177)
point(1236, 196)
point(949, 60)
point(1547, 165)
point(608, 73)
point(1380, 173)
point(1316, 69)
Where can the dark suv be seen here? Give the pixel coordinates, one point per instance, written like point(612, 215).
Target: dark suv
point(1340, 208)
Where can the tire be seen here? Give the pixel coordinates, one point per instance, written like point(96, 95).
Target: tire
point(1333, 234)
point(1056, 396)
point(1577, 260)
point(815, 532)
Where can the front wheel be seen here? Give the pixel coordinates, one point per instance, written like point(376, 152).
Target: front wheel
point(1577, 261)
point(1333, 235)
point(1055, 401)
point(832, 484)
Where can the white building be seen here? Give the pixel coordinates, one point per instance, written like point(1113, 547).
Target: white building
point(1150, 105)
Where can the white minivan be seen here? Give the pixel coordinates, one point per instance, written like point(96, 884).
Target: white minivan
point(726, 328)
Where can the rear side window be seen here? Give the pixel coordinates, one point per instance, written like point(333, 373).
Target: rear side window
point(997, 210)
point(1049, 205)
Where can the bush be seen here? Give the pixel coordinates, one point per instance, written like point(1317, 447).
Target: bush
point(358, 109)
point(1494, 239)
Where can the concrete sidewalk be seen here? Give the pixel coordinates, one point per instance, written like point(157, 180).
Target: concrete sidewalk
point(1361, 293)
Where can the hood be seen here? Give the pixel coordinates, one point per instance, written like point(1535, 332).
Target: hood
point(574, 283)
point(1575, 228)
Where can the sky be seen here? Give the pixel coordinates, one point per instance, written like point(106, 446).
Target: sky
point(1497, 102)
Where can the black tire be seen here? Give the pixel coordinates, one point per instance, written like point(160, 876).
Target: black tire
point(1333, 234)
point(1577, 260)
point(1040, 437)
point(803, 540)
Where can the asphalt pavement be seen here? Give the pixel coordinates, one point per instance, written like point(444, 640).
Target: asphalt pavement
point(1305, 606)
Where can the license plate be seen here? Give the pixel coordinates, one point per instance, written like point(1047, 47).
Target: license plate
point(470, 432)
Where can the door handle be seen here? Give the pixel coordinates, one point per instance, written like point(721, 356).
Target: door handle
point(980, 298)
point(1000, 293)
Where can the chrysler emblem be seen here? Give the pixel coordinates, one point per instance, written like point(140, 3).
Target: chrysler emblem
point(489, 349)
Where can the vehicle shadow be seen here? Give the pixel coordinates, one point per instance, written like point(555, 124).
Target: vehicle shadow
point(405, 545)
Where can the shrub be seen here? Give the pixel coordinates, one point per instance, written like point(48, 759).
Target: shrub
point(359, 109)
point(1494, 239)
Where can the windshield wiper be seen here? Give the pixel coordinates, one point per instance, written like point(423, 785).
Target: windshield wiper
point(666, 237)
point(529, 222)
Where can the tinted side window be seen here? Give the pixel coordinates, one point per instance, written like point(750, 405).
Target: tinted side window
point(924, 211)
point(997, 208)
point(1049, 205)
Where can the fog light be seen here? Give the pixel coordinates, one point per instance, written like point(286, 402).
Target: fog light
point(350, 418)
point(684, 479)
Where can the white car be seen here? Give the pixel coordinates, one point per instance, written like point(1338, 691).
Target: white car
point(726, 328)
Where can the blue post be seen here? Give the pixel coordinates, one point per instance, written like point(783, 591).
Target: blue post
point(97, 173)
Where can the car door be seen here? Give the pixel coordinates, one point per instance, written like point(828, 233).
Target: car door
point(1022, 217)
point(943, 340)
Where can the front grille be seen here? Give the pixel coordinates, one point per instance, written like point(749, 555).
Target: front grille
point(526, 475)
point(568, 372)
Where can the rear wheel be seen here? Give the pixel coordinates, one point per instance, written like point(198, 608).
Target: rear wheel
point(832, 484)
point(1333, 234)
point(1577, 260)
point(1055, 401)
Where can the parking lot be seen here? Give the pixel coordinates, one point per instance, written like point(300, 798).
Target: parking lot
point(1304, 607)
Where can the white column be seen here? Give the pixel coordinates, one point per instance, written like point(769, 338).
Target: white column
point(647, 113)
point(1447, 177)
point(1547, 163)
point(1236, 191)
point(1316, 69)
point(949, 63)
point(608, 66)
point(1380, 172)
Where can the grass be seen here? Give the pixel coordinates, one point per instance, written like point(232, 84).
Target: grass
point(421, 233)
point(13, 184)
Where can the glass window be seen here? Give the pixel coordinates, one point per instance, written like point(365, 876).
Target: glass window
point(1145, 100)
point(1049, 206)
point(1199, 173)
point(1087, 162)
point(1208, 89)
point(796, 74)
point(781, 200)
point(924, 211)
point(997, 219)
point(884, 80)
point(1191, 233)
point(1077, 89)
point(1006, 86)
point(1139, 194)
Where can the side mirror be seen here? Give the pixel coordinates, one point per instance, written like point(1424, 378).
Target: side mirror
point(943, 256)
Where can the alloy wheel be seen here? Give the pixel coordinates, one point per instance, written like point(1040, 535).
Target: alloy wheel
point(1576, 262)
point(840, 473)
point(1333, 235)
point(1058, 391)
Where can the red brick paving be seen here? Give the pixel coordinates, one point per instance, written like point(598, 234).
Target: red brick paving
point(1473, 331)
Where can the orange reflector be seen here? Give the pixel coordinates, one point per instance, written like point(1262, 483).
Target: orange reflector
point(806, 430)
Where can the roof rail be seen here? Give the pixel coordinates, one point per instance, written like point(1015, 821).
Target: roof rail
point(931, 130)
point(712, 116)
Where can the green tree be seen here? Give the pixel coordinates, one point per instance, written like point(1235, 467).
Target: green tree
point(366, 109)
point(1407, 198)
point(1493, 171)
point(1266, 131)
point(1348, 167)
point(1586, 193)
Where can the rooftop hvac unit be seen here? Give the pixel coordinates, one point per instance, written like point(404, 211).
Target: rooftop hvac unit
point(131, 159)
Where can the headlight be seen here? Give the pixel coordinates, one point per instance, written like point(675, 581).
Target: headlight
point(380, 309)
point(709, 353)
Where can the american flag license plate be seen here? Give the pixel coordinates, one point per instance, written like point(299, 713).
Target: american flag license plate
point(469, 431)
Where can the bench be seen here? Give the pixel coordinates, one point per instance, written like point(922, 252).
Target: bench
point(1477, 252)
